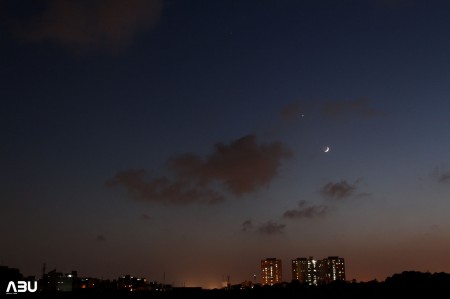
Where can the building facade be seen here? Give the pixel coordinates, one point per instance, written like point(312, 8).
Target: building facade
point(315, 272)
point(271, 271)
point(305, 270)
point(331, 269)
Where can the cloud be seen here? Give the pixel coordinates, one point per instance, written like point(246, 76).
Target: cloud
point(162, 190)
point(247, 225)
point(364, 194)
point(338, 190)
point(89, 24)
point(442, 175)
point(359, 107)
point(271, 228)
point(241, 167)
point(306, 211)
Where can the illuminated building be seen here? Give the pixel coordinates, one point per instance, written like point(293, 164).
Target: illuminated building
point(58, 282)
point(331, 269)
point(304, 270)
point(131, 283)
point(315, 272)
point(271, 271)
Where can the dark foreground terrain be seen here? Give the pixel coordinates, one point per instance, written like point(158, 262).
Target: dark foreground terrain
point(405, 285)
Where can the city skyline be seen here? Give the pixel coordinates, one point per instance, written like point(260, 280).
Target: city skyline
point(306, 271)
point(56, 284)
point(155, 137)
point(257, 278)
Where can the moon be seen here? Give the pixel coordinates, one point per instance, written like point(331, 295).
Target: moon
point(326, 149)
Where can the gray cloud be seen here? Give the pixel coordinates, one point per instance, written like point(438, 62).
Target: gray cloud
point(306, 211)
point(442, 175)
point(89, 24)
point(163, 190)
point(271, 228)
point(247, 225)
point(363, 194)
point(241, 167)
point(338, 190)
point(359, 107)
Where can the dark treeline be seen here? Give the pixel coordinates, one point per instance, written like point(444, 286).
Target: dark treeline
point(408, 284)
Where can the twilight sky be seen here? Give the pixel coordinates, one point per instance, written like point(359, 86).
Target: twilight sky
point(187, 137)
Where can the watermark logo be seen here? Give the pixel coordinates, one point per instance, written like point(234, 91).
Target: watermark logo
point(21, 287)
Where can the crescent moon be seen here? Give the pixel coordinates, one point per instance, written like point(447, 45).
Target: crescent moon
point(326, 149)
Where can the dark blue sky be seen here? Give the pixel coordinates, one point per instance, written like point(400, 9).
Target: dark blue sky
point(187, 137)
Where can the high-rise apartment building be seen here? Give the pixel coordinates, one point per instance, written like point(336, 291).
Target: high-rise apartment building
point(271, 271)
point(305, 270)
point(332, 268)
point(312, 272)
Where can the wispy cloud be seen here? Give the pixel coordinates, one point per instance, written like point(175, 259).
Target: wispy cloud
point(89, 25)
point(163, 190)
point(442, 175)
point(339, 190)
point(247, 225)
point(243, 166)
point(306, 210)
point(271, 228)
